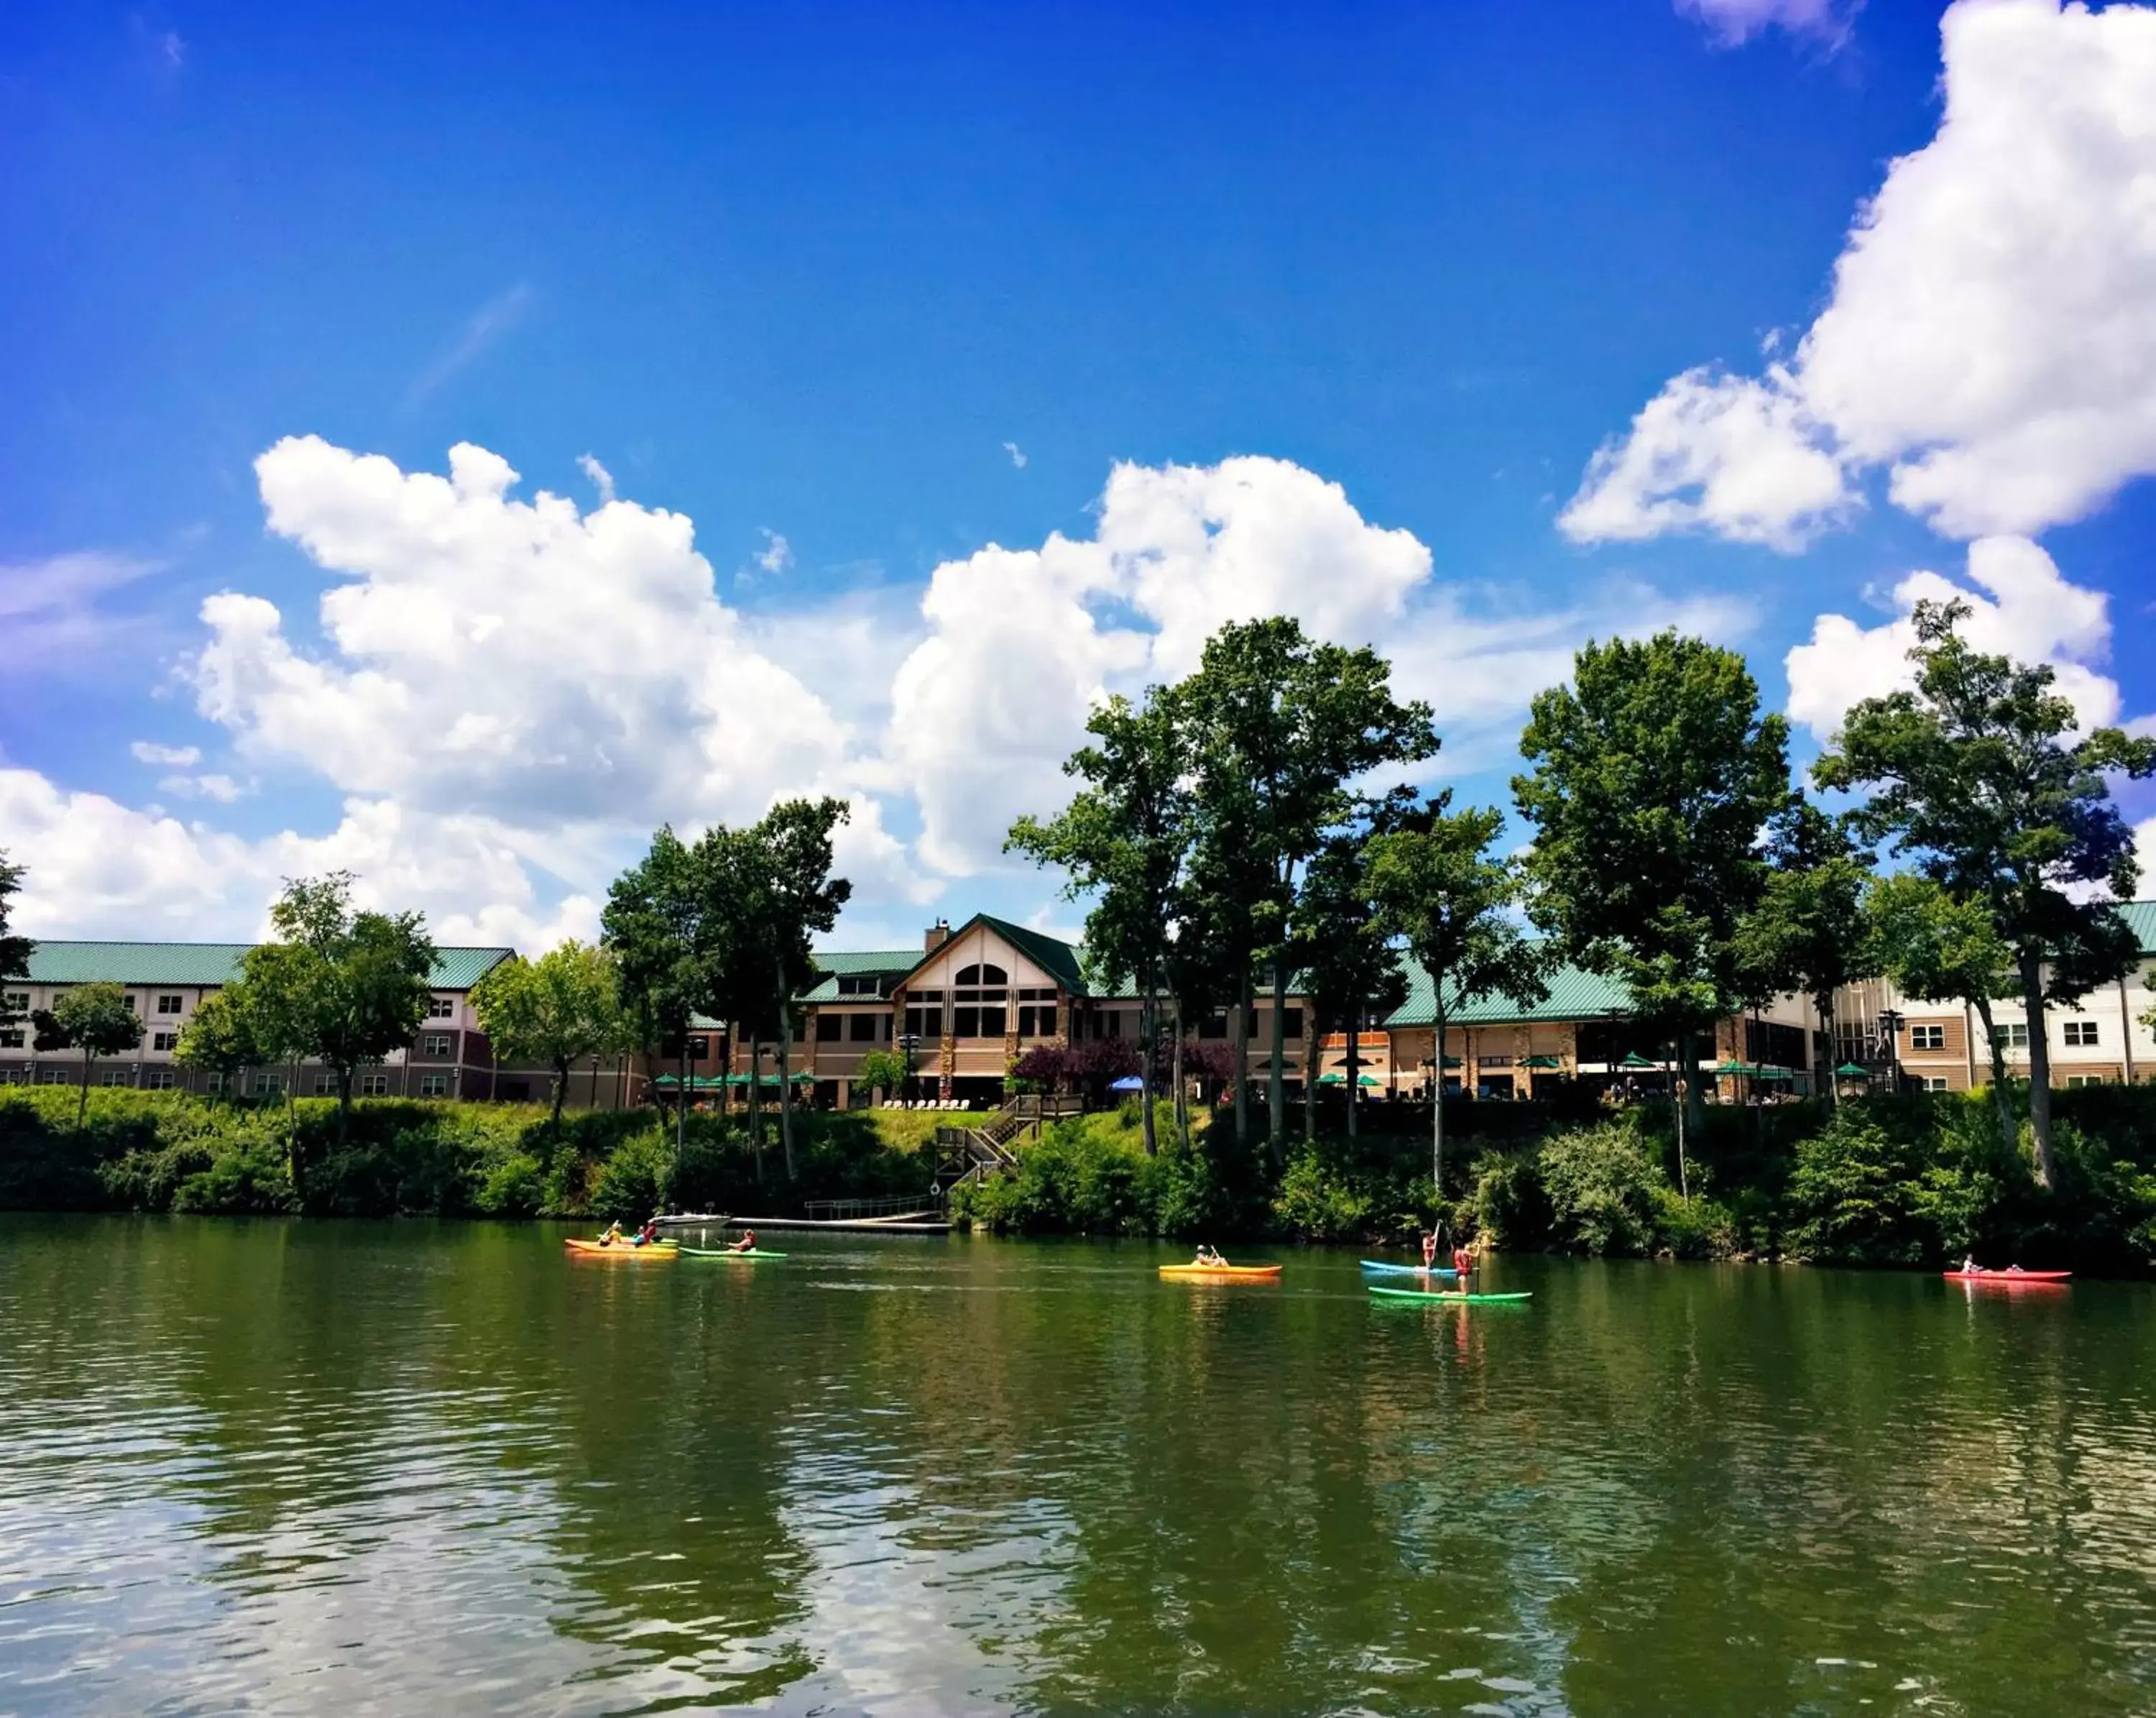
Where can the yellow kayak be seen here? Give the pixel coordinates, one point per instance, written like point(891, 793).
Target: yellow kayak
point(1220, 1274)
point(624, 1249)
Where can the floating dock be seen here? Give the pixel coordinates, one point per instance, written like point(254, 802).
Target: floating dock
point(914, 1222)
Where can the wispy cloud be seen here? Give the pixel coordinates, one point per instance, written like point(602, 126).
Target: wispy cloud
point(777, 553)
point(602, 479)
point(53, 612)
point(1733, 23)
point(1017, 454)
point(169, 757)
point(485, 326)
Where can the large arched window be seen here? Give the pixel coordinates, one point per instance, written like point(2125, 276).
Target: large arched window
point(978, 1003)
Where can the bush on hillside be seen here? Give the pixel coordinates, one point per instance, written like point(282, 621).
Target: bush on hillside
point(1604, 1187)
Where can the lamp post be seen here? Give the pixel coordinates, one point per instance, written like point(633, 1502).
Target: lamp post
point(1890, 1023)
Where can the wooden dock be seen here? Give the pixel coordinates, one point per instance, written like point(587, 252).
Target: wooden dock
point(915, 1222)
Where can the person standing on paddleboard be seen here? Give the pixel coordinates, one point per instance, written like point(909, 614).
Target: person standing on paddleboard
point(1430, 1251)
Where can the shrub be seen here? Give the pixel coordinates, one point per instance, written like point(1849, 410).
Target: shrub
point(1602, 1185)
point(1508, 1202)
point(1854, 1196)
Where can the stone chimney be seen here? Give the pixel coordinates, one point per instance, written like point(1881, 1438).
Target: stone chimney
point(938, 934)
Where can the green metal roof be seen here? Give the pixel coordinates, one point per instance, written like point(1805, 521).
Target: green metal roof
point(1575, 994)
point(1058, 960)
point(72, 963)
point(835, 963)
point(2140, 917)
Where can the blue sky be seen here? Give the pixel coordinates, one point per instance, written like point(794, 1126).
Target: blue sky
point(863, 291)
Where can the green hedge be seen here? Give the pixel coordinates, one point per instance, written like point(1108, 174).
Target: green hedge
point(170, 1151)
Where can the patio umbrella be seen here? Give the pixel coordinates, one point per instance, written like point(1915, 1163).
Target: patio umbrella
point(1129, 1082)
point(1542, 1062)
point(1335, 1078)
point(1632, 1058)
point(1851, 1071)
point(1452, 1061)
point(1731, 1065)
point(1772, 1073)
point(1367, 1080)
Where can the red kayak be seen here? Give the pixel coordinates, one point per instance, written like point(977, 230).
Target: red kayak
point(2006, 1276)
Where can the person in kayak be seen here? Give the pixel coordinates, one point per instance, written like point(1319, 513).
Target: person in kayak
point(648, 1233)
point(1969, 1264)
point(1209, 1255)
point(611, 1235)
point(746, 1244)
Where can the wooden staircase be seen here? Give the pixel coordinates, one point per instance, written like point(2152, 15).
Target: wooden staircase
point(974, 1153)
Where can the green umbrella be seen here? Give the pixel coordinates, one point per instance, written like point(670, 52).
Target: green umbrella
point(1332, 1079)
point(1851, 1071)
point(1732, 1066)
point(1772, 1073)
point(1367, 1080)
point(1452, 1061)
point(1632, 1058)
point(1542, 1062)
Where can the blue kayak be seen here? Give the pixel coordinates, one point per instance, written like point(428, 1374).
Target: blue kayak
point(1400, 1270)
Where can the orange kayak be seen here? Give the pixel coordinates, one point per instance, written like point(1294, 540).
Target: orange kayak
point(623, 1249)
point(1220, 1274)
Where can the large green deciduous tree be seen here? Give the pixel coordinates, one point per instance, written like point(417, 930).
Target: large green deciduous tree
point(14, 950)
point(665, 947)
point(556, 1010)
point(1350, 969)
point(1283, 729)
point(1808, 932)
point(1937, 947)
point(1654, 776)
point(1438, 886)
point(340, 985)
point(795, 900)
point(1980, 778)
point(94, 1019)
point(1124, 842)
point(221, 1037)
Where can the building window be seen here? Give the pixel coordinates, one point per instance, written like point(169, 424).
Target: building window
point(827, 1028)
point(2081, 1034)
point(215, 1082)
point(164, 1041)
point(268, 1085)
point(434, 1044)
point(169, 1004)
point(17, 1002)
point(1493, 1061)
point(1213, 1026)
point(1036, 1020)
point(924, 1016)
point(325, 1085)
point(862, 985)
point(441, 1007)
point(434, 1085)
point(53, 1073)
point(1935, 1083)
point(12, 1039)
point(159, 1079)
point(1291, 1025)
point(130, 1002)
point(2085, 1079)
point(861, 1029)
point(983, 975)
point(1927, 1038)
point(700, 1049)
point(2013, 1035)
point(374, 1085)
point(116, 1077)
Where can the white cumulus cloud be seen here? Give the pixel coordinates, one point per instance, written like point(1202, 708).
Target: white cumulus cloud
point(2020, 605)
point(1990, 337)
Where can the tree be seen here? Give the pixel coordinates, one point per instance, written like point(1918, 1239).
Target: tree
point(340, 986)
point(1350, 969)
point(14, 950)
point(1124, 841)
point(95, 1019)
point(1808, 932)
point(1978, 777)
point(795, 899)
point(554, 1010)
point(1436, 885)
point(656, 926)
point(882, 1071)
point(222, 1037)
point(1281, 729)
point(1934, 946)
point(1654, 774)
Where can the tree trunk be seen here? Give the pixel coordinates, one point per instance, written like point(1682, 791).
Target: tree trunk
point(1276, 1078)
point(1182, 1101)
point(1241, 1040)
point(1437, 1097)
point(1149, 1031)
point(786, 1085)
point(756, 1103)
point(561, 1088)
point(1683, 1104)
point(681, 1102)
point(82, 1105)
point(2002, 1099)
point(2040, 1068)
point(1825, 1004)
point(1310, 1076)
point(1354, 1068)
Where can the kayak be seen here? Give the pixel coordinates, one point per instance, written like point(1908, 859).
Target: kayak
point(2006, 1276)
point(1220, 1274)
point(623, 1249)
point(1456, 1299)
point(1401, 1270)
point(731, 1252)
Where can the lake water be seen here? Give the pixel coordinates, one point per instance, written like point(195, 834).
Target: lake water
point(409, 1468)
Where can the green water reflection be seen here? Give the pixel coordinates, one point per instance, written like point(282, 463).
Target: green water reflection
point(417, 1468)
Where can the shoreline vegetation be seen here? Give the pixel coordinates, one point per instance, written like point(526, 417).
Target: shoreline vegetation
point(1916, 1180)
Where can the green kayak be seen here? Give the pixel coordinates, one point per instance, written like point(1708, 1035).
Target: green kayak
point(1451, 1295)
point(729, 1253)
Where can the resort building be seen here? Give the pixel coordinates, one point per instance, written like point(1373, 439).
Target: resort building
point(1940, 1047)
